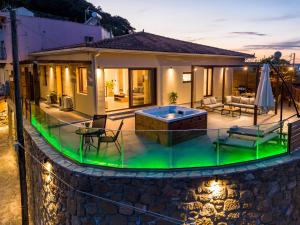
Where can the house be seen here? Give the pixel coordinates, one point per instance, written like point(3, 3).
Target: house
point(36, 34)
point(134, 70)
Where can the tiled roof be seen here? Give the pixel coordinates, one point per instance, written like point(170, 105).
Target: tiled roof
point(143, 41)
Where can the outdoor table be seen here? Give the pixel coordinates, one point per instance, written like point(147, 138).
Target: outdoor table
point(87, 131)
point(227, 110)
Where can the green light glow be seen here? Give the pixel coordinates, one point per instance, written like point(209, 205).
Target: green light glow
point(152, 155)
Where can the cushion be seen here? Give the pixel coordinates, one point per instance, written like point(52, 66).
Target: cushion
point(228, 99)
point(206, 101)
point(235, 99)
point(251, 101)
point(245, 100)
point(213, 100)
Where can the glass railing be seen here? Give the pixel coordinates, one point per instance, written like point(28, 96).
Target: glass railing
point(146, 149)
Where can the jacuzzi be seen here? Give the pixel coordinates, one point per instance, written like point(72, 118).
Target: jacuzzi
point(169, 125)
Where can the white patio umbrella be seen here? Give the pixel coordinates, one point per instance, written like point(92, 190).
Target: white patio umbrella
point(264, 95)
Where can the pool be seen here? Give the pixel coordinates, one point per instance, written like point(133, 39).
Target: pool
point(161, 124)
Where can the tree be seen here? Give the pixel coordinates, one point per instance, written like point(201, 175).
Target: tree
point(73, 10)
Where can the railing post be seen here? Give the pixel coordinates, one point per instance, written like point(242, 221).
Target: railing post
point(81, 148)
point(257, 143)
point(122, 150)
point(218, 148)
point(289, 137)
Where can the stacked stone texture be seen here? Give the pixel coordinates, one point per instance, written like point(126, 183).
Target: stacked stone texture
point(264, 196)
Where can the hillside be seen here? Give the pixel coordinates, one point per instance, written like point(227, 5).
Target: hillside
point(73, 10)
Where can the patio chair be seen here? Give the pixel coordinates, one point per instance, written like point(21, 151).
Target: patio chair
point(210, 104)
point(113, 138)
point(99, 122)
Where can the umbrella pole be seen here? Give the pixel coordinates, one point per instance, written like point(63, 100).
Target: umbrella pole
point(281, 103)
point(255, 115)
point(256, 86)
point(287, 87)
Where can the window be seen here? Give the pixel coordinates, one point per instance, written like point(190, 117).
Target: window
point(208, 82)
point(187, 77)
point(82, 80)
point(88, 39)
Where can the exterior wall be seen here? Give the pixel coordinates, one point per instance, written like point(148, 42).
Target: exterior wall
point(261, 195)
point(169, 73)
point(36, 34)
point(5, 73)
point(167, 79)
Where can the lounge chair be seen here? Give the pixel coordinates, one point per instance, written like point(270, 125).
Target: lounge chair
point(253, 132)
point(113, 138)
point(251, 144)
point(210, 103)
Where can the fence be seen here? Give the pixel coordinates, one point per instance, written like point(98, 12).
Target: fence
point(131, 150)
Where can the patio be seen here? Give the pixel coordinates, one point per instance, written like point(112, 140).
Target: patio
point(139, 153)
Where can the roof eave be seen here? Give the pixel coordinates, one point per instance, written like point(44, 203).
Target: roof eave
point(109, 50)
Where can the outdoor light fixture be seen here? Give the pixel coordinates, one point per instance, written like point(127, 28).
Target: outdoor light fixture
point(47, 165)
point(215, 188)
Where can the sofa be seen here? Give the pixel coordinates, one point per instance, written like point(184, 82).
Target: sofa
point(241, 102)
point(211, 103)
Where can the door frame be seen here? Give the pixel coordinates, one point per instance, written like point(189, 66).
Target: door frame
point(129, 69)
point(154, 93)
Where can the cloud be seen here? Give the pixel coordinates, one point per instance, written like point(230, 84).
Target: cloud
point(279, 18)
point(279, 46)
point(249, 33)
point(219, 20)
point(143, 10)
point(195, 39)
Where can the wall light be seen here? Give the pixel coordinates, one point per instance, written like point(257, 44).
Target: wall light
point(48, 168)
point(195, 69)
point(246, 68)
point(291, 68)
point(215, 187)
point(171, 67)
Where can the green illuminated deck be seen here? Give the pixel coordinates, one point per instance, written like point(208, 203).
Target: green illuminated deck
point(139, 153)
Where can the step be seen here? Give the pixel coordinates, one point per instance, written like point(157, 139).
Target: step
point(121, 116)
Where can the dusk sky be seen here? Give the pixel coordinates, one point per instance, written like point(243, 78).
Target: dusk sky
point(256, 26)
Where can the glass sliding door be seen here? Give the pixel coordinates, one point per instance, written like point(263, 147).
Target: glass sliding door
point(142, 87)
point(116, 89)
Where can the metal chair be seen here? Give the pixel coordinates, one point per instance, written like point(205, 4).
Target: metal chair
point(111, 138)
point(99, 122)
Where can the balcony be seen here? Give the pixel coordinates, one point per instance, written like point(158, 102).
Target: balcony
point(3, 54)
point(138, 152)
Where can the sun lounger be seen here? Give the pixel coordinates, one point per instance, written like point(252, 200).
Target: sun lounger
point(236, 142)
point(253, 132)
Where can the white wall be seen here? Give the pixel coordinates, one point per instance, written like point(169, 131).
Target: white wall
point(172, 81)
point(85, 103)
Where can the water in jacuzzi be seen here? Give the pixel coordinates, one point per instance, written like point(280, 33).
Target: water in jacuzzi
point(170, 112)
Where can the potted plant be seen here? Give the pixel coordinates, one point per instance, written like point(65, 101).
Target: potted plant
point(53, 97)
point(110, 88)
point(173, 96)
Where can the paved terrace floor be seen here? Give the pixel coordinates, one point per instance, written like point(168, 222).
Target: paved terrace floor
point(139, 152)
point(10, 208)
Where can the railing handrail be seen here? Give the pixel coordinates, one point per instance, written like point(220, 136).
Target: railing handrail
point(65, 123)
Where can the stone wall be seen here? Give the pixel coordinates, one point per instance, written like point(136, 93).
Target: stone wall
point(269, 195)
